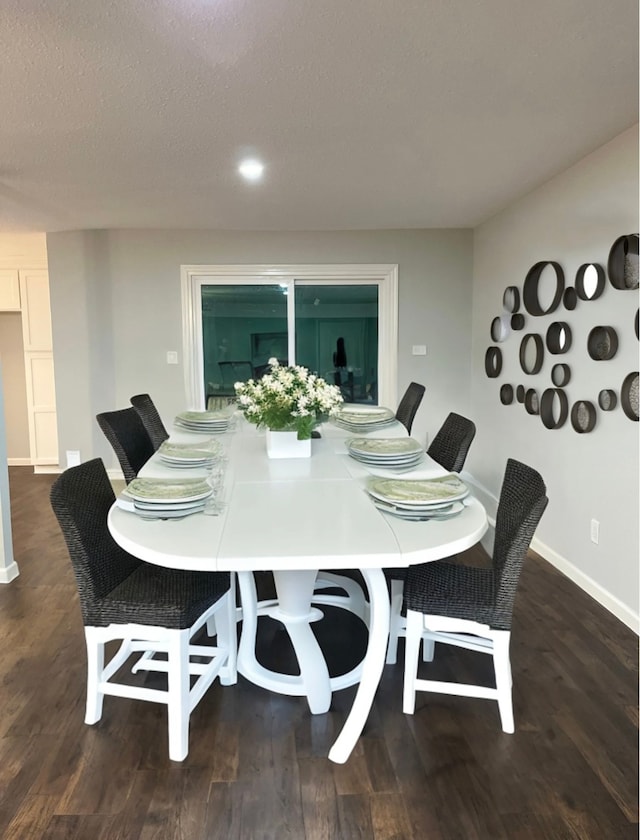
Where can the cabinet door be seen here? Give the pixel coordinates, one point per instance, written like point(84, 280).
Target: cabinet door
point(41, 401)
point(36, 310)
point(9, 290)
point(38, 364)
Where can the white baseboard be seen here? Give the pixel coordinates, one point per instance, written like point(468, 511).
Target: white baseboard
point(19, 462)
point(590, 586)
point(9, 573)
point(587, 584)
point(48, 469)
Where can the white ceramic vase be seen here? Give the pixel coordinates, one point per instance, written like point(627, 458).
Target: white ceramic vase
point(287, 445)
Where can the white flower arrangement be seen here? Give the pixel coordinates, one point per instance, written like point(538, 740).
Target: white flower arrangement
point(289, 398)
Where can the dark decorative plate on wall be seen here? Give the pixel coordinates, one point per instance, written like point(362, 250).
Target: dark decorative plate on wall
point(531, 401)
point(511, 299)
point(602, 343)
point(560, 375)
point(531, 353)
point(607, 399)
point(530, 293)
point(506, 394)
point(623, 262)
point(554, 408)
point(583, 416)
point(629, 395)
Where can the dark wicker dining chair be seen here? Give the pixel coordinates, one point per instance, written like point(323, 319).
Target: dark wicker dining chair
point(449, 448)
point(451, 444)
point(472, 607)
point(151, 419)
point(148, 609)
point(127, 435)
point(409, 404)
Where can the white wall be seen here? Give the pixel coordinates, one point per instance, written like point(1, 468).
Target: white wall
point(15, 388)
point(116, 309)
point(572, 219)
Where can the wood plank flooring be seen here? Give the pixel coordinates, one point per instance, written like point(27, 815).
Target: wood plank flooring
point(257, 766)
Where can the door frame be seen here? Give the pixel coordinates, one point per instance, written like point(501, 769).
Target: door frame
point(384, 275)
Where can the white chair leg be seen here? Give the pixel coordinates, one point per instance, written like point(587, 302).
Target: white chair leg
point(228, 636)
point(428, 650)
point(502, 665)
point(396, 621)
point(178, 695)
point(411, 651)
point(95, 665)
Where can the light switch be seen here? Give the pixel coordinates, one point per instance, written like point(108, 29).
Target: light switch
point(172, 357)
point(419, 350)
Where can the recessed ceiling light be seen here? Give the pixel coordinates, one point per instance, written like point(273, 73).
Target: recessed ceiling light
point(251, 169)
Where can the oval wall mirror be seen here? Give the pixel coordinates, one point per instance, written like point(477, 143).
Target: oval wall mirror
point(531, 353)
point(558, 337)
point(590, 281)
point(543, 288)
point(493, 362)
point(560, 375)
point(554, 408)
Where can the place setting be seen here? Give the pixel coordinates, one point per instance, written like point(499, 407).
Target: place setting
point(188, 455)
point(363, 418)
point(165, 498)
point(397, 454)
point(207, 422)
point(418, 500)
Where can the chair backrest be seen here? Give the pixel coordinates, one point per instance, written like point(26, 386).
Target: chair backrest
point(409, 404)
point(151, 419)
point(451, 444)
point(81, 498)
point(126, 433)
point(522, 503)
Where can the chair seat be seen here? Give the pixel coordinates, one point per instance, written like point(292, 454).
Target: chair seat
point(452, 590)
point(160, 597)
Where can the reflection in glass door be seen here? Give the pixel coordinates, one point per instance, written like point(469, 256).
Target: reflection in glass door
point(332, 327)
point(243, 326)
point(336, 336)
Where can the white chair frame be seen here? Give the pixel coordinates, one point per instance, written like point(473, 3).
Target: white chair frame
point(149, 640)
point(465, 634)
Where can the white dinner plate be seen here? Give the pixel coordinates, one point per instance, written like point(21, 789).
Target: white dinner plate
point(168, 489)
point(418, 492)
point(385, 447)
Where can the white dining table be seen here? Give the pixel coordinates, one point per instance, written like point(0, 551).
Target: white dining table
point(294, 517)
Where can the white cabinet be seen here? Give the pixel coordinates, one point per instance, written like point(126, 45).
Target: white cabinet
point(38, 364)
point(9, 290)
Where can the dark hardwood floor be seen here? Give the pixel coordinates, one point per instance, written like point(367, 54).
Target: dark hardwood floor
point(257, 766)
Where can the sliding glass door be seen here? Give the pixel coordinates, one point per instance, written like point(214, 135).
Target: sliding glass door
point(342, 327)
point(336, 335)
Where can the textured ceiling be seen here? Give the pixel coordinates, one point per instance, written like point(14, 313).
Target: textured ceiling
point(367, 113)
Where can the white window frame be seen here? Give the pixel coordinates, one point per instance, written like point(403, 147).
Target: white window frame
point(385, 276)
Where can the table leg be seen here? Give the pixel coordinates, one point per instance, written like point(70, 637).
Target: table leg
point(295, 590)
point(371, 668)
point(293, 608)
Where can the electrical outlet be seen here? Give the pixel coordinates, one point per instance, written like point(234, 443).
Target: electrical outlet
point(419, 350)
point(73, 457)
point(595, 531)
point(172, 357)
